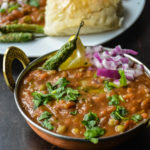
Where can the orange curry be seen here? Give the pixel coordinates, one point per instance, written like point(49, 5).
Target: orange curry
point(93, 104)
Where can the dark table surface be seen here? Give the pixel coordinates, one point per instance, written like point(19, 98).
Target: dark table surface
point(15, 134)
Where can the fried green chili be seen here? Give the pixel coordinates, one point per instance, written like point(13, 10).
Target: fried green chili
point(17, 37)
point(62, 54)
point(21, 28)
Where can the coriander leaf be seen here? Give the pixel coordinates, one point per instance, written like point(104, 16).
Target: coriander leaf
point(49, 87)
point(37, 96)
point(34, 3)
point(123, 80)
point(93, 134)
point(40, 99)
point(136, 117)
point(113, 85)
point(119, 113)
point(58, 93)
point(45, 115)
point(46, 100)
point(94, 140)
point(91, 116)
point(72, 94)
point(89, 124)
point(74, 112)
point(121, 98)
point(37, 103)
point(46, 123)
point(90, 120)
point(62, 82)
point(37, 99)
point(109, 85)
point(63, 92)
point(113, 100)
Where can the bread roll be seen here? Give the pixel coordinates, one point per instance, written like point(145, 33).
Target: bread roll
point(64, 16)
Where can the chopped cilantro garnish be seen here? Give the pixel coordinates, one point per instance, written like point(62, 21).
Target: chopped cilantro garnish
point(45, 115)
point(123, 80)
point(62, 82)
point(92, 132)
point(121, 98)
point(46, 124)
point(49, 87)
point(119, 113)
point(40, 99)
point(115, 99)
point(74, 112)
point(71, 94)
point(109, 85)
point(136, 117)
point(90, 120)
point(58, 91)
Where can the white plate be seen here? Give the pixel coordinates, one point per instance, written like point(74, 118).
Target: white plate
point(133, 9)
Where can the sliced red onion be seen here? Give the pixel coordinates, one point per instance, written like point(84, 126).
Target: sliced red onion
point(88, 55)
point(98, 48)
point(97, 56)
point(125, 66)
point(129, 74)
point(117, 51)
point(105, 55)
point(88, 50)
point(138, 72)
point(142, 67)
point(109, 62)
point(108, 73)
point(117, 58)
point(139, 66)
point(130, 51)
point(131, 63)
point(97, 63)
point(124, 60)
point(109, 59)
point(94, 49)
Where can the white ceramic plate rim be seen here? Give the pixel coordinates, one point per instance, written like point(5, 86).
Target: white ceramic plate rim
point(133, 9)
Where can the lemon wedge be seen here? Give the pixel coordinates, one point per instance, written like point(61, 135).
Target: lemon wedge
point(77, 59)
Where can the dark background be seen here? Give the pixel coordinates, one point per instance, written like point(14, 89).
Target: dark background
point(15, 134)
